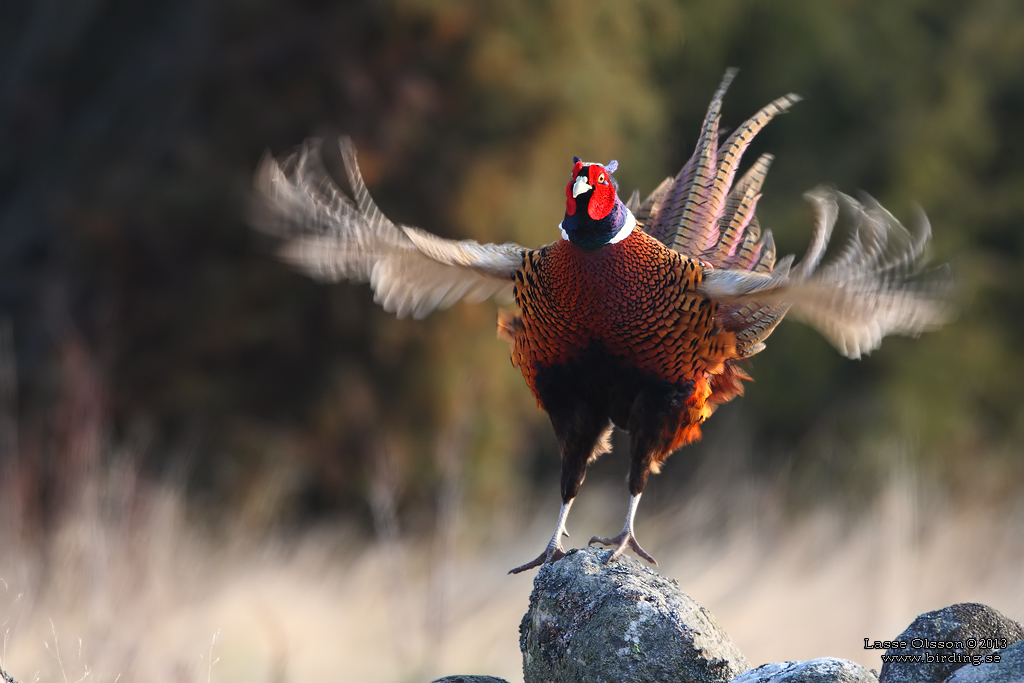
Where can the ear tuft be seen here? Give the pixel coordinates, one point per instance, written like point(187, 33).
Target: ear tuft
point(611, 166)
point(576, 160)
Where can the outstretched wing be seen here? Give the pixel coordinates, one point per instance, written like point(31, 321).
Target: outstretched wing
point(873, 287)
point(333, 236)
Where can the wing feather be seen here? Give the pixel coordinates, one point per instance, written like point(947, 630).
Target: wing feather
point(334, 236)
point(876, 286)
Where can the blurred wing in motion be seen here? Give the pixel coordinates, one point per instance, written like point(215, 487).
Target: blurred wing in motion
point(873, 287)
point(334, 236)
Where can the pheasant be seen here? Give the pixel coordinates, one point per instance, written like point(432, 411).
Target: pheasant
point(641, 314)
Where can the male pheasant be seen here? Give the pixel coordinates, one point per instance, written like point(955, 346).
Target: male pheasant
point(639, 315)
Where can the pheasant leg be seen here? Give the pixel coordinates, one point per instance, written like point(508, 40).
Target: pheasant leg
point(554, 552)
point(627, 538)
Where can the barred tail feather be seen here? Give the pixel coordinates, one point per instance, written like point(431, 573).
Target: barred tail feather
point(700, 212)
point(739, 211)
point(696, 214)
point(647, 213)
point(674, 225)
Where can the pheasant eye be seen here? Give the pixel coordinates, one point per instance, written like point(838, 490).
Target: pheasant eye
point(600, 178)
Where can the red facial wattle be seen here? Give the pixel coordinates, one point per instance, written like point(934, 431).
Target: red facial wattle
point(570, 201)
point(602, 200)
point(602, 192)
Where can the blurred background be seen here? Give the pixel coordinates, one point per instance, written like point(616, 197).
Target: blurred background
point(212, 468)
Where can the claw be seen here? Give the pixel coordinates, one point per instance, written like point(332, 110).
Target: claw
point(554, 552)
point(550, 554)
point(621, 542)
point(626, 538)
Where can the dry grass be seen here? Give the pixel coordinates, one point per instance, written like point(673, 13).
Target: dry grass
point(149, 596)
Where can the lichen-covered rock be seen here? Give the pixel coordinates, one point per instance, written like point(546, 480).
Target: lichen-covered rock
point(824, 670)
point(621, 622)
point(6, 677)
point(469, 679)
point(1009, 668)
point(947, 638)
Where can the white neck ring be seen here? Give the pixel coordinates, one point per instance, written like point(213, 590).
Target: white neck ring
point(625, 231)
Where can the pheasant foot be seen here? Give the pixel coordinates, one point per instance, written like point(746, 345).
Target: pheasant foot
point(627, 538)
point(554, 552)
point(621, 542)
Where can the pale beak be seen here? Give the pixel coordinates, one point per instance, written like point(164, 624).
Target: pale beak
point(580, 186)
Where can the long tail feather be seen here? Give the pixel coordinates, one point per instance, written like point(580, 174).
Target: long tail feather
point(700, 212)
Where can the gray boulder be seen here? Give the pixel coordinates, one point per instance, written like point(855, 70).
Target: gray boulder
point(938, 634)
point(469, 679)
point(824, 670)
point(1009, 668)
point(590, 622)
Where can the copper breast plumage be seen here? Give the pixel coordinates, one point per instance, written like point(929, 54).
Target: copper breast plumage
point(637, 299)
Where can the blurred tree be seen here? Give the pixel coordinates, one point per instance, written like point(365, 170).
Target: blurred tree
point(129, 136)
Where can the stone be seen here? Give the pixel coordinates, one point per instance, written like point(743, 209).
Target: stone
point(469, 679)
point(961, 623)
point(824, 670)
point(590, 622)
point(1009, 668)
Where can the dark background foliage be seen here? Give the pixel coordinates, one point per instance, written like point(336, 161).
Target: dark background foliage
point(144, 312)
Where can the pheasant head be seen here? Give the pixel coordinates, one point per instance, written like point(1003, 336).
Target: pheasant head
point(594, 214)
